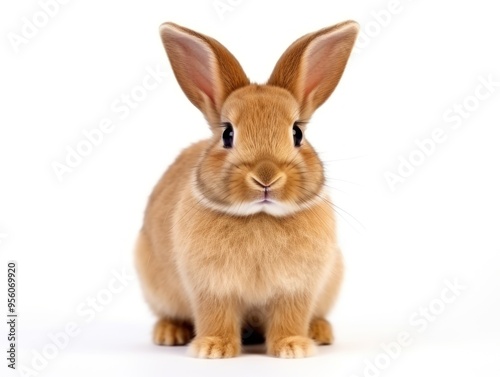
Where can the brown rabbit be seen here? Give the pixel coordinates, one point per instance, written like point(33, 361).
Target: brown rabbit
point(239, 230)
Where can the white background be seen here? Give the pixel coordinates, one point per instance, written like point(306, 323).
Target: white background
point(401, 246)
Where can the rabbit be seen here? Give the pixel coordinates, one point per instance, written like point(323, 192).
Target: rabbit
point(240, 230)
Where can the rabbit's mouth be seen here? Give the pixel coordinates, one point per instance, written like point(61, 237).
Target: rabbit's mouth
point(266, 201)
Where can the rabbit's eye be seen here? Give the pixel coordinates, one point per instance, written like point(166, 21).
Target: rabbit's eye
point(228, 135)
point(297, 135)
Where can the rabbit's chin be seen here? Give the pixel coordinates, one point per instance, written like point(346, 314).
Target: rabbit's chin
point(271, 207)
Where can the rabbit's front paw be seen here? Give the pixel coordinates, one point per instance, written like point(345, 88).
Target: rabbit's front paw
point(214, 347)
point(292, 347)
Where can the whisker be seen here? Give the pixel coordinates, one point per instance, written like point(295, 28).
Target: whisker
point(335, 188)
point(334, 206)
point(355, 219)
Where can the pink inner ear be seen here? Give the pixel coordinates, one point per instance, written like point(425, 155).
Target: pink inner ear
point(320, 61)
point(198, 62)
point(317, 64)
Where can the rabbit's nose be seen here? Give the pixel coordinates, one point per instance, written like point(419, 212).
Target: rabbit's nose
point(267, 174)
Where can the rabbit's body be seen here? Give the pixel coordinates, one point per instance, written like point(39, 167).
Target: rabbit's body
point(240, 230)
point(184, 245)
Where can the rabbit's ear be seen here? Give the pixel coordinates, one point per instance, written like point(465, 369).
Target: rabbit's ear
point(206, 71)
point(313, 65)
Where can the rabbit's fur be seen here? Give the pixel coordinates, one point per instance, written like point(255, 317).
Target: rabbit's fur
point(244, 234)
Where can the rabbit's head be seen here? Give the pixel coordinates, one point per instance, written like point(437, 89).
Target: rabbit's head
point(259, 159)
